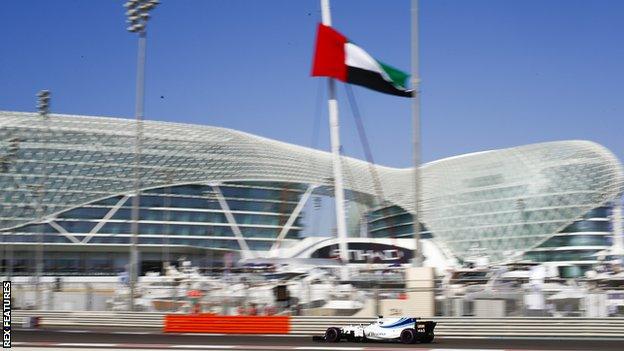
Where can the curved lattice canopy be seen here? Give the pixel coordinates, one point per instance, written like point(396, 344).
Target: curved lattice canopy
point(501, 200)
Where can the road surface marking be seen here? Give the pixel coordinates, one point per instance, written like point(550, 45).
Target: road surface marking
point(49, 346)
point(82, 344)
point(39, 348)
point(211, 347)
point(328, 348)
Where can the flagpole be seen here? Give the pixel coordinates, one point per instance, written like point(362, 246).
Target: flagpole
point(337, 162)
point(418, 256)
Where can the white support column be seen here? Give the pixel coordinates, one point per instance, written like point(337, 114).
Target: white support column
point(334, 127)
point(104, 220)
point(245, 252)
point(291, 220)
point(418, 259)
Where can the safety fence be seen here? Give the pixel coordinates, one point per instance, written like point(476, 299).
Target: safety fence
point(528, 327)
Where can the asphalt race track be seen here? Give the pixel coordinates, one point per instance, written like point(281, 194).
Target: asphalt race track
point(149, 340)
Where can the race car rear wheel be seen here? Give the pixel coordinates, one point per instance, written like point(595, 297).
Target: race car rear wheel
point(332, 334)
point(408, 336)
point(425, 339)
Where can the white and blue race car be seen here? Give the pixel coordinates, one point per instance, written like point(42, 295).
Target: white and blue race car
point(404, 329)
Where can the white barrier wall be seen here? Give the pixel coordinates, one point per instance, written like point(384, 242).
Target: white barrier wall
point(572, 328)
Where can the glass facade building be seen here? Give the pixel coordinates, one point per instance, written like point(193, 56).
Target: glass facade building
point(577, 246)
point(511, 201)
point(574, 249)
point(178, 217)
point(393, 222)
point(68, 182)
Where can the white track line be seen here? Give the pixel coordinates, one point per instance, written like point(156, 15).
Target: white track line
point(82, 344)
point(43, 346)
point(39, 348)
point(328, 348)
point(202, 347)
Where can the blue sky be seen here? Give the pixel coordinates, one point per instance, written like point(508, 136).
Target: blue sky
point(496, 73)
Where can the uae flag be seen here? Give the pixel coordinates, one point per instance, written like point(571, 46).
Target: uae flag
point(338, 58)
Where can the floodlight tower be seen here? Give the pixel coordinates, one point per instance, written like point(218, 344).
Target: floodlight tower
point(138, 15)
point(6, 162)
point(43, 108)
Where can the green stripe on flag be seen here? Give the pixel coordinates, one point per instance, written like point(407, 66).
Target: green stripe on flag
point(399, 78)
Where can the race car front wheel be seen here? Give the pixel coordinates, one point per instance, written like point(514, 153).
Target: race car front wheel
point(408, 336)
point(332, 334)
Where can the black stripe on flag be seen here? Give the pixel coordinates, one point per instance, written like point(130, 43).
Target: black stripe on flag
point(375, 81)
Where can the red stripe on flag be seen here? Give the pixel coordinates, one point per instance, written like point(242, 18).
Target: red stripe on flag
point(329, 56)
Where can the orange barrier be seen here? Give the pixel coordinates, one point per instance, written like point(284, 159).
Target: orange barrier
point(210, 323)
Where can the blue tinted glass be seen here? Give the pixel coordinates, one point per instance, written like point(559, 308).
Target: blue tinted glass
point(109, 240)
point(115, 228)
point(219, 231)
point(187, 242)
point(108, 202)
point(588, 226)
point(600, 212)
point(55, 239)
point(150, 241)
point(76, 226)
point(151, 201)
point(401, 230)
point(391, 232)
point(258, 206)
point(260, 232)
point(391, 221)
point(158, 191)
point(259, 219)
point(191, 189)
point(385, 212)
point(85, 213)
point(548, 256)
point(255, 193)
point(293, 234)
point(171, 229)
point(577, 240)
point(35, 228)
point(184, 202)
point(174, 216)
point(259, 245)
